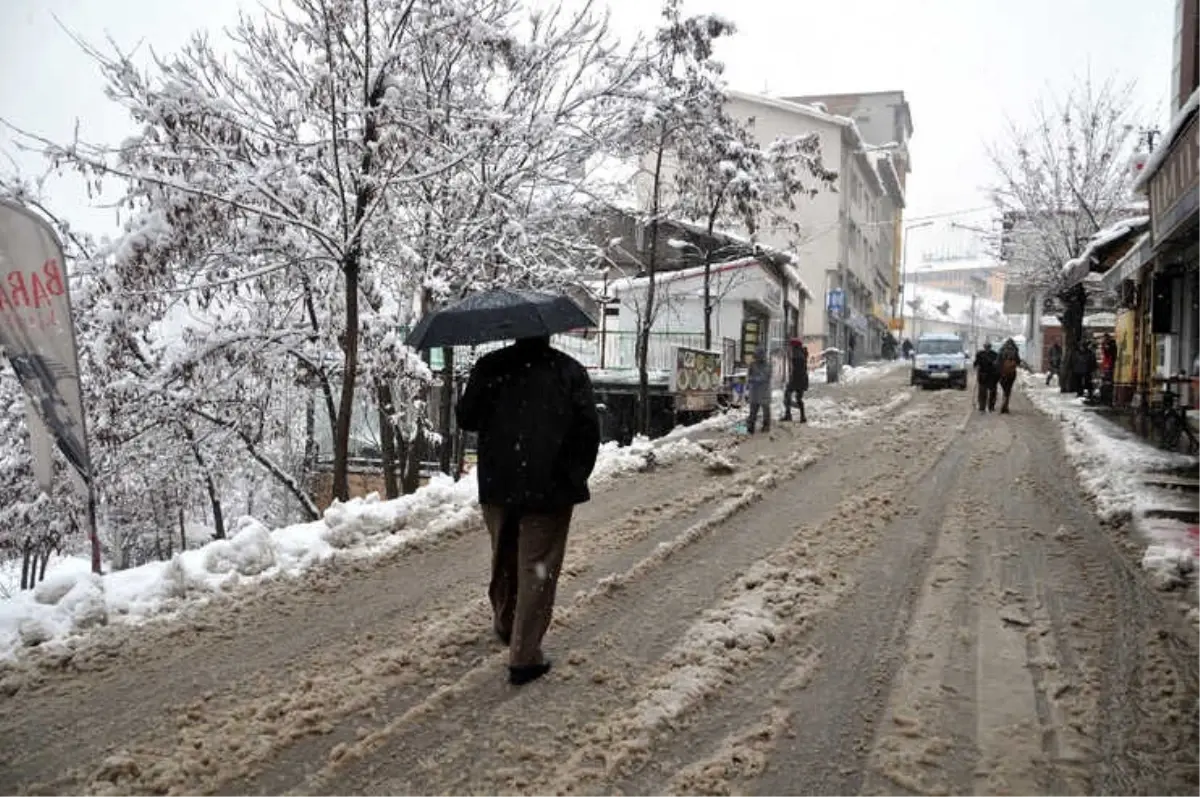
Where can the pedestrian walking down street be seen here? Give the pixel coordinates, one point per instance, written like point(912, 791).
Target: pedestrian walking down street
point(539, 434)
point(906, 348)
point(1056, 356)
point(987, 374)
point(1009, 361)
point(758, 387)
point(797, 380)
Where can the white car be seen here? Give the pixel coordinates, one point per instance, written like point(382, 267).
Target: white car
point(939, 360)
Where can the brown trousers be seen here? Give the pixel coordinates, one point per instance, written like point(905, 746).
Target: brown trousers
point(527, 555)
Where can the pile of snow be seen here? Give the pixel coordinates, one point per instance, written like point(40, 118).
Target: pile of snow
point(643, 454)
point(852, 374)
point(72, 599)
point(1112, 463)
point(855, 374)
point(748, 623)
point(830, 412)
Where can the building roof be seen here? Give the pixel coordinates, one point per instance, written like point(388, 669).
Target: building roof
point(849, 126)
point(957, 264)
point(811, 98)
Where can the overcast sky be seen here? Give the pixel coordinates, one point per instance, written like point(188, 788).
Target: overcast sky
point(964, 66)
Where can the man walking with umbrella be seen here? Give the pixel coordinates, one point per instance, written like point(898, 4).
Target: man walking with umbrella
point(539, 434)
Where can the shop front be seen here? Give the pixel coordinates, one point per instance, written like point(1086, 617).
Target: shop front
point(1175, 292)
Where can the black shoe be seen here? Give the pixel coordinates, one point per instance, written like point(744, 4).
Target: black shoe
point(519, 676)
point(786, 418)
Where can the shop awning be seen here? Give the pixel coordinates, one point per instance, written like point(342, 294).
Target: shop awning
point(1128, 267)
point(1101, 246)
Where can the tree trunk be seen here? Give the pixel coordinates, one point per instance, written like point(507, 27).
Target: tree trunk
point(45, 561)
point(387, 439)
point(210, 486)
point(26, 556)
point(182, 531)
point(1074, 302)
point(446, 410)
point(647, 318)
point(712, 222)
point(412, 462)
point(341, 442)
point(309, 463)
point(707, 300)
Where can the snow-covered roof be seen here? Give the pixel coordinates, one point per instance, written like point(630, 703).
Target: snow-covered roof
point(789, 270)
point(958, 307)
point(1164, 146)
point(682, 273)
point(848, 125)
point(1130, 262)
point(793, 274)
point(1076, 268)
point(957, 264)
point(1091, 321)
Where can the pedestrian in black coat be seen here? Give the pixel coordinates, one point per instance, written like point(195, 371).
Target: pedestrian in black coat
point(539, 435)
point(797, 380)
point(987, 377)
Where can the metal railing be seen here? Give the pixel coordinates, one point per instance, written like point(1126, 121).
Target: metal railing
point(610, 349)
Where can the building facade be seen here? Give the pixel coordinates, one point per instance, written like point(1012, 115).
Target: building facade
point(847, 250)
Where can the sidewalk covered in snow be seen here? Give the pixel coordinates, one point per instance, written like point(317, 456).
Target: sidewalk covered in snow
point(1129, 478)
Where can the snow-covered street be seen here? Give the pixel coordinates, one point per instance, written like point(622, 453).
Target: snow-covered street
point(899, 597)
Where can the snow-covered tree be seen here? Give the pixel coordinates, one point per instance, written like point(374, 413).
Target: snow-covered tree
point(680, 97)
point(300, 198)
point(1063, 177)
point(723, 177)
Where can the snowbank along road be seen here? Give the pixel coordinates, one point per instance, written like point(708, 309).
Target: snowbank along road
point(911, 604)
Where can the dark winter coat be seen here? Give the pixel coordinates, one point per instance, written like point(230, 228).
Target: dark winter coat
point(987, 363)
point(1010, 358)
point(798, 379)
point(1084, 362)
point(539, 433)
point(758, 381)
point(1055, 357)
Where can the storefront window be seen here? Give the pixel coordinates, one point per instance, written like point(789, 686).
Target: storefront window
point(1191, 324)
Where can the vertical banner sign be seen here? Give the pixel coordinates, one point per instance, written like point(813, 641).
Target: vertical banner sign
point(38, 338)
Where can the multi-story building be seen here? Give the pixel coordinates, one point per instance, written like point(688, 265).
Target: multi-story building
point(847, 246)
point(885, 120)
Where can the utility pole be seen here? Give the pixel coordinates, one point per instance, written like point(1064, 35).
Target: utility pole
point(904, 271)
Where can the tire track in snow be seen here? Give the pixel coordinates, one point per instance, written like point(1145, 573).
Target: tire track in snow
point(444, 647)
point(838, 540)
point(926, 742)
point(843, 703)
point(485, 679)
point(577, 703)
point(1120, 664)
point(171, 662)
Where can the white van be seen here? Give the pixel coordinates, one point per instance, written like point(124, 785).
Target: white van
point(940, 360)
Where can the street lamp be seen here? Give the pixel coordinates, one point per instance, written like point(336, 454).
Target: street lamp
point(904, 268)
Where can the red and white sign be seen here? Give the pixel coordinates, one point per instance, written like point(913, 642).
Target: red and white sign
point(38, 340)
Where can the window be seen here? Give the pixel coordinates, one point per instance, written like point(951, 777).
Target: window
point(939, 346)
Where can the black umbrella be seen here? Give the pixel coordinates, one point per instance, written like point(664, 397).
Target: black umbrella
point(502, 314)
